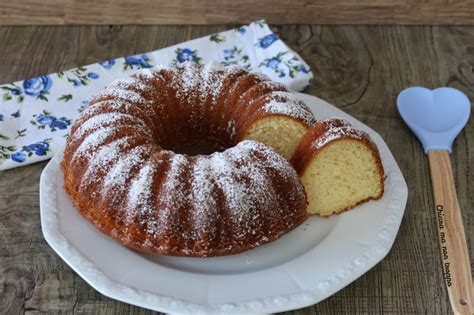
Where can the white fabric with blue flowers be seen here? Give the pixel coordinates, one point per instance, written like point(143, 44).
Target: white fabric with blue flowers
point(36, 114)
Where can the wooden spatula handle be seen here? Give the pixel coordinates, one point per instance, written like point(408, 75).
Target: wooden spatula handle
point(454, 254)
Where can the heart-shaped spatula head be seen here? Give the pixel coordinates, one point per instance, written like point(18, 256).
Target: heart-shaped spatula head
point(435, 116)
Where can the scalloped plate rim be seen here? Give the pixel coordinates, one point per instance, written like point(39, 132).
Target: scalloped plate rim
point(111, 288)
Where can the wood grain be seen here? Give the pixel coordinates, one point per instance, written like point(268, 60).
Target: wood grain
point(93, 12)
point(361, 69)
point(452, 240)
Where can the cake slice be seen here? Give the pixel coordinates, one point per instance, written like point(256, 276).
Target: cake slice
point(339, 167)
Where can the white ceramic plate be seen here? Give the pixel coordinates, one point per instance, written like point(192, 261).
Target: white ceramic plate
point(305, 266)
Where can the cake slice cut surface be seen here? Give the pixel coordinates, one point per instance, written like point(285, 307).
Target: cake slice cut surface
point(339, 166)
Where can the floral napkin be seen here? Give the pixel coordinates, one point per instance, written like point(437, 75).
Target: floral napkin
point(36, 114)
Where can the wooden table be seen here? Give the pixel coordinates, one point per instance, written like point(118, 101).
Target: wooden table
point(359, 69)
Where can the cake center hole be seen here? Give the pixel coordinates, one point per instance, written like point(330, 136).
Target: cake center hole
point(202, 148)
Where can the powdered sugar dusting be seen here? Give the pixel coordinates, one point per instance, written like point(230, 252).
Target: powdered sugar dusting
point(203, 189)
point(149, 73)
point(185, 79)
point(103, 158)
point(91, 143)
point(126, 107)
point(189, 78)
point(115, 182)
point(107, 119)
point(245, 198)
point(337, 129)
point(212, 79)
point(129, 83)
point(286, 103)
point(140, 199)
point(274, 85)
point(243, 180)
point(173, 195)
point(121, 93)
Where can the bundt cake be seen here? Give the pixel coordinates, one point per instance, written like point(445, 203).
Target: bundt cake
point(125, 172)
point(339, 167)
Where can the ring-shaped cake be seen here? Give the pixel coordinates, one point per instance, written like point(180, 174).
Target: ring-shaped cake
point(124, 174)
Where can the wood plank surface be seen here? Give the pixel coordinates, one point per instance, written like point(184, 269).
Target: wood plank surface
point(120, 12)
point(360, 69)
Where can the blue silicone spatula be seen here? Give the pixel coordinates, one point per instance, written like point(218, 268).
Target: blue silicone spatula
point(436, 117)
